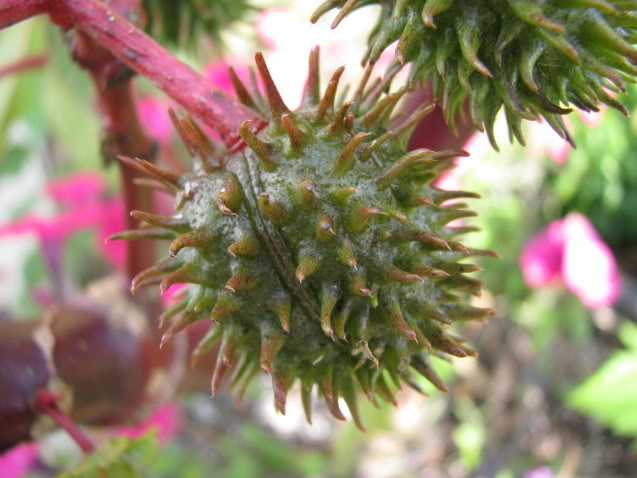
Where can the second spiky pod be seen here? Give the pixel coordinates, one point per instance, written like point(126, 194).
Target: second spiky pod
point(534, 58)
point(320, 252)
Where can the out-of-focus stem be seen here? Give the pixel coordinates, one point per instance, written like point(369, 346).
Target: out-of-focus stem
point(124, 133)
point(144, 55)
point(46, 402)
point(141, 53)
point(14, 11)
point(23, 64)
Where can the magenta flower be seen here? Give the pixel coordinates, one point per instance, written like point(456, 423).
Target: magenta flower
point(17, 462)
point(542, 256)
point(153, 114)
point(76, 189)
point(541, 472)
point(81, 206)
point(166, 420)
point(569, 251)
point(218, 75)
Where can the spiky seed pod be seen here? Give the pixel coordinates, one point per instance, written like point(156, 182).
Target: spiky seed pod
point(313, 253)
point(535, 58)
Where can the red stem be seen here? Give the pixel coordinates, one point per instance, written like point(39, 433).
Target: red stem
point(124, 134)
point(14, 11)
point(142, 54)
point(46, 402)
point(24, 64)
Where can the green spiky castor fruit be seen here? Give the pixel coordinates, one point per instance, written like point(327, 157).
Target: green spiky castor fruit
point(535, 58)
point(320, 251)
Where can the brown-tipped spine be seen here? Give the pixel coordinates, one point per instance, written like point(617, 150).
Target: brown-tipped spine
point(346, 160)
point(242, 92)
point(312, 90)
point(198, 238)
point(242, 280)
point(277, 105)
point(308, 193)
point(272, 341)
point(159, 269)
point(294, 133)
point(359, 217)
point(327, 102)
point(346, 254)
point(282, 307)
point(231, 196)
point(174, 224)
point(247, 246)
point(398, 321)
point(308, 265)
point(274, 209)
point(226, 304)
point(325, 229)
point(409, 160)
point(263, 150)
point(329, 298)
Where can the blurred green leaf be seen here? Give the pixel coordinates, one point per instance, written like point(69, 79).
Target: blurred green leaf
point(69, 106)
point(121, 457)
point(183, 22)
point(610, 394)
point(14, 44)
point(470, 434)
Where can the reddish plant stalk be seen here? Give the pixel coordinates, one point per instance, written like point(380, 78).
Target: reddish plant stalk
point(142, 54)
point(124, 134)
point(46, 402)
point(24, 64)
point(14, 11)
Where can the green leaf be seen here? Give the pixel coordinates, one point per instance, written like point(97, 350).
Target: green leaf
point(610, 394)
point(183, 23)
point(122, 457)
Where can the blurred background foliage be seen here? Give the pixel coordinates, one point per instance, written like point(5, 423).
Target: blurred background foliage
point(554, 389)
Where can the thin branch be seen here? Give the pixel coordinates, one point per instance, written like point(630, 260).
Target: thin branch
point(47, 402)
point(24, 64)
point(124, 134)
point(145, 56)
point(142, 54)
point(15, 11)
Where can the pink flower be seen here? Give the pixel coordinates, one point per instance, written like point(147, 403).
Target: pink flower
point(76, 189)
point(81, 207)
point(174, 294)
point(166, 420)
point(112, 222)
point(570, 251)
point(592, 119)
point(541, 472)
point(153, 114)
point(542, 256)
point(17, 462)
point(544, 140)
point(218, 74)
point(557, 148)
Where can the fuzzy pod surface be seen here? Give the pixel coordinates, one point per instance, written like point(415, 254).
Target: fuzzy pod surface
point(534, 58)
point(320, 251)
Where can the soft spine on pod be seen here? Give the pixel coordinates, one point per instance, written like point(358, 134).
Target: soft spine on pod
point(320, 252)
point(536, 58)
